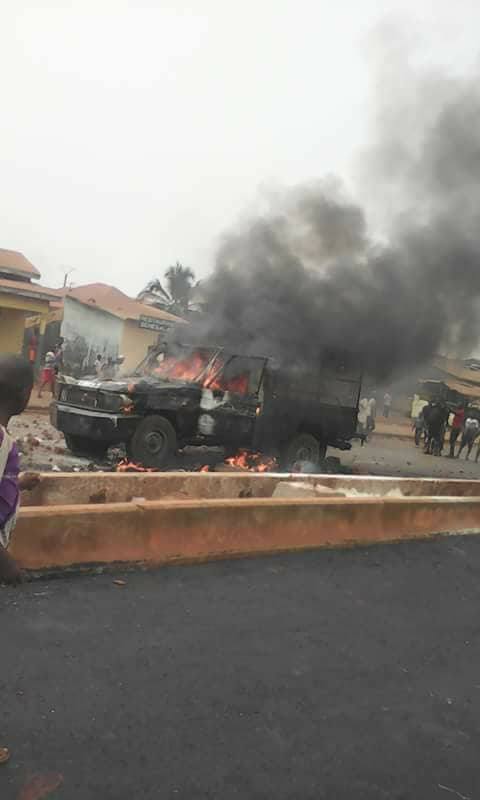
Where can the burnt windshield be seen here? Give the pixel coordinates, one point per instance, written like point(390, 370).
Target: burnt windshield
point(189, 365)
point(240, 375)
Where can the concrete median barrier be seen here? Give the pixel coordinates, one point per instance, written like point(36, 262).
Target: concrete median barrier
point(86, 487)
point(163, 531)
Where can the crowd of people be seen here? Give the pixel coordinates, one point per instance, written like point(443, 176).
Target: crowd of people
point(436, 419)
point(105, 368)
point(436, 426)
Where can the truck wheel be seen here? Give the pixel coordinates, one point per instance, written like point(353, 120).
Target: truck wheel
point(153, 442)
point(303, 447)
point(85, 448)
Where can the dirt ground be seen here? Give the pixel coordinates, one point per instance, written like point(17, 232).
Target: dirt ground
point(389, 455)
point(43, 448)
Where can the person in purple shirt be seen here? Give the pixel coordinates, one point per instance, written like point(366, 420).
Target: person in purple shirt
point(16, 382)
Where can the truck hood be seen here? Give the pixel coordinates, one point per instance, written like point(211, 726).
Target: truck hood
point(125, 384)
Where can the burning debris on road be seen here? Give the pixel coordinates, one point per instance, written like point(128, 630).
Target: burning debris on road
point(130, 466)
point(253, 462)
point(244, 461)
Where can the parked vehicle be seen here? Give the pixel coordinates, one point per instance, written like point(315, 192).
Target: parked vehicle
point(208, 396)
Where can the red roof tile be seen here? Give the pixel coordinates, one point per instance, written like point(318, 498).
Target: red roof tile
point(13, 262)
point(111, 299)
point(27, 289)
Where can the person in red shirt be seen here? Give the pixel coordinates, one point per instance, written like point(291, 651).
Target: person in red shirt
point(32, 349)
point(457, 428)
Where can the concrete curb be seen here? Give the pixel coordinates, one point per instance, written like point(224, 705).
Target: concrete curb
point(110, 487)
point(162, 532)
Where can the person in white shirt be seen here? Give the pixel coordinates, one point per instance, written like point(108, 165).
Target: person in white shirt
point(363, 416)
point(99, 365)
point(471, 430)
point(372, 413)
point(387, 404)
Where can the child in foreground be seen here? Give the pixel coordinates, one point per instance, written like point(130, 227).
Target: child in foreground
point(16, 382)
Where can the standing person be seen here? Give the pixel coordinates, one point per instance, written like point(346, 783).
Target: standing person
point(445, 416)
point(32, 348)
point(372, 414)
point(58, 353)
point(47, 375)
point(427, 413)
point(471, 430)
point(436, 416)
point(419, 427)
point(99, 366)
point(16, 382)
point(387, 404)
point(457, 427)
point(362, 417)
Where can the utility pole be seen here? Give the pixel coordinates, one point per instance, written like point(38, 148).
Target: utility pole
point(65, 276)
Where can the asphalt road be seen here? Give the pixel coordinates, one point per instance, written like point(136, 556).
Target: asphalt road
point(342, 674)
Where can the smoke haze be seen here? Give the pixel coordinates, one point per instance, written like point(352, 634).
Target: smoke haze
point(308, 275)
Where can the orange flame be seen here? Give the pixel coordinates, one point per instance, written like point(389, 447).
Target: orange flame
point(253, 462)
point(131, 466)
point(187, 369)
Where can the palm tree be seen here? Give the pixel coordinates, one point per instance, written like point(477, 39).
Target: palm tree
point(180, 281)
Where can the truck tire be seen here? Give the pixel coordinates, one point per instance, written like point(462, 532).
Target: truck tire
point(153, 443)
point(85, 448)
point(303, 447)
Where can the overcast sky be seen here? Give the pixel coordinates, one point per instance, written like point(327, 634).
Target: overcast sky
point(132, 134)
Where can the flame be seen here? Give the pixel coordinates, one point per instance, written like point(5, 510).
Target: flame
point(184, 369)
point(237, 385)
point(131, 466)
point(188, 369)
point(253, 462)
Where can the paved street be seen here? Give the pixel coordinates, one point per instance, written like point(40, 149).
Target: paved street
point(347, 674)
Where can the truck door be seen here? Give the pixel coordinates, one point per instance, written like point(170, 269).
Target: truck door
point(229, 402)
point(339, 395)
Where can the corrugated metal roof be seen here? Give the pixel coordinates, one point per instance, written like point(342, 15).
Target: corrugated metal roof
point(457, 370)
point(464, 388)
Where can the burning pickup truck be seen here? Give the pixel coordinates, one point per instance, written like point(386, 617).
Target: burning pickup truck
point(208, 396)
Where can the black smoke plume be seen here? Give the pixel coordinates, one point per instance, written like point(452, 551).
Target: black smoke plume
point(308, 276)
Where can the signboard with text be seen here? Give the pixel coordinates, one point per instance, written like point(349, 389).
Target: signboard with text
point(153, 324)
